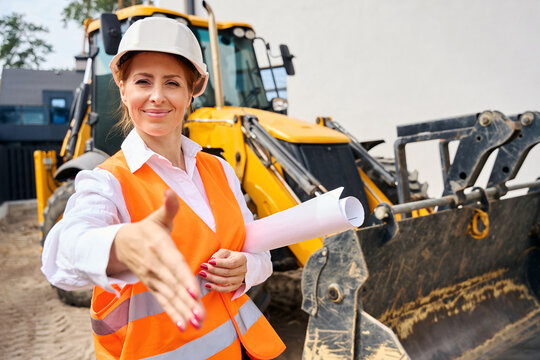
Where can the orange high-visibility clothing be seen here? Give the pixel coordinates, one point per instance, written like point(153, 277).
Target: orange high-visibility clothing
point(135, 326)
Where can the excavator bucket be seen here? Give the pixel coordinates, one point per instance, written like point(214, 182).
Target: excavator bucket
point(338, 328)
point(451, 286)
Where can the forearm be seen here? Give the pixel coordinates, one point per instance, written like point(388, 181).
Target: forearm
point(114, 265)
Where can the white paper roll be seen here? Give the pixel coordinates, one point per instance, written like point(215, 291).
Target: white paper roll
point(322, 215)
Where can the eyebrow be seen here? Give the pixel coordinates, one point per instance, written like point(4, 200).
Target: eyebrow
point(166, 76)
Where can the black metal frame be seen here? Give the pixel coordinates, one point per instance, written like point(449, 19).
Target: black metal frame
point(479, 135)
point(512, 155)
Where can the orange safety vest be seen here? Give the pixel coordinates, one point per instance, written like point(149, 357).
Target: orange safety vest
point(134, 326)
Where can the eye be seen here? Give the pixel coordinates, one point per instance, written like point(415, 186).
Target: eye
point(142, 82)
point(172, 83)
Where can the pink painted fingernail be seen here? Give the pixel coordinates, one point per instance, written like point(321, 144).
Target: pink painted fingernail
point(207, 286)
point(212, 262)
point(203, 274)
point(181, 326)
point(204, 266)
point(197, 314)
point(195, 323)
point(212, 258)
point(192, 293)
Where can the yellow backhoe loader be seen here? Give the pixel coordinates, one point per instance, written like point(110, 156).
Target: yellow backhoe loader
point(452, 277)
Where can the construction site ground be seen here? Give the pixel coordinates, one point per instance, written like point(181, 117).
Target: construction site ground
point(35, 324)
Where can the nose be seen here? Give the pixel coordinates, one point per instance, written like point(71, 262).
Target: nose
point(157, 96)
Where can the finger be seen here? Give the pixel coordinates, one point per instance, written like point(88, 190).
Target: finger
point(160, 279)
point(173, 288)
point(234, 260)
point(166, 213)
point(175, 272)
point(177, 307)
point(223, 271)
point(224, 288)
point(221, 254)
point(181, 316)
point(184, 275)
point(222, 280)
point(176, 317)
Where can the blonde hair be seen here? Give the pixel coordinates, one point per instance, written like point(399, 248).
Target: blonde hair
point(125, 124)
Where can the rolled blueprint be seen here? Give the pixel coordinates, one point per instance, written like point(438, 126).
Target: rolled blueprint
point(323, 215)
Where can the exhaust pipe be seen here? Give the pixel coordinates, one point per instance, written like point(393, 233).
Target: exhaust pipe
point(216, 66)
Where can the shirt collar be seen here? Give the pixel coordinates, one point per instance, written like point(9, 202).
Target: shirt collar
point(137, 153)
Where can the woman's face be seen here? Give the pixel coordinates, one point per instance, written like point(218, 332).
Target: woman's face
point(156, 93)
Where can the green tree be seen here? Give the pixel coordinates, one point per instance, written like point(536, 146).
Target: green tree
point(21, 45)
point(78, 10)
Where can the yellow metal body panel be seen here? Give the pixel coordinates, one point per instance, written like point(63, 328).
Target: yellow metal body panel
point(280, 126)
point(84, 135)
point(85, 132)
point(221, 132)
point(143, 10)
point(64, 143)
point(45, 166)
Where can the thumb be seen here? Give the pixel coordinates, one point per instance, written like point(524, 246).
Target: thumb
point(221, 254)
point(166, 213)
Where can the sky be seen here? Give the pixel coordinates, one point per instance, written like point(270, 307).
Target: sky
point(66, 41)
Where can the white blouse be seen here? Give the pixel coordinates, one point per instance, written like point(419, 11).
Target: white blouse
point(76, 250)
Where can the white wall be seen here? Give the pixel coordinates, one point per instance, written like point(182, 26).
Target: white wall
point(374, 64)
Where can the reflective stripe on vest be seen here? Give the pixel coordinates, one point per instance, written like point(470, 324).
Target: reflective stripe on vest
point(216, 340)
point(134, 308)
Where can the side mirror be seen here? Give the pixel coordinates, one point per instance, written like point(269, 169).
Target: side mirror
point(110, 32)
point(287, 59)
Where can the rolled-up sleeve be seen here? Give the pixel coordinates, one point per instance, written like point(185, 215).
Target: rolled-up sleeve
point(76, 250)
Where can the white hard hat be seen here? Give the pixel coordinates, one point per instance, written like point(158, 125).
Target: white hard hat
point(163, 35)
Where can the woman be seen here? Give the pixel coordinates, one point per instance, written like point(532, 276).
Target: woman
point(159, 226)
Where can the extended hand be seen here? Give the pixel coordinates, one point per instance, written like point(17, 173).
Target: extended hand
point(225, 271)
point(147, 249)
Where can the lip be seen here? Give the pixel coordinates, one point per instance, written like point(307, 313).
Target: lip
point(158, 113)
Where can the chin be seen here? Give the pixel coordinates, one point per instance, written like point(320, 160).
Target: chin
point(158, 131)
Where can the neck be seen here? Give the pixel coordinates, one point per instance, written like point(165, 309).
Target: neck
point(168, 146)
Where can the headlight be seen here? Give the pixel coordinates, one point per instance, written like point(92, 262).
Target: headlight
point(250, 34)
point(239, 32)
point(279, 104)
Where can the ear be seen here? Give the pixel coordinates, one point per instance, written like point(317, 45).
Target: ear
point(122, 88)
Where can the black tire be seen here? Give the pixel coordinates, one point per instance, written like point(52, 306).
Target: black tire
point(52, 213)
point(418, 190)
point(260, 296)
point(285, 289)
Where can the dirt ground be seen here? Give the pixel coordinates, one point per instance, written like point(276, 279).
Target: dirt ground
point(34, 324)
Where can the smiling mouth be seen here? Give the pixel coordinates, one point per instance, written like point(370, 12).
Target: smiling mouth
point(156, 112)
